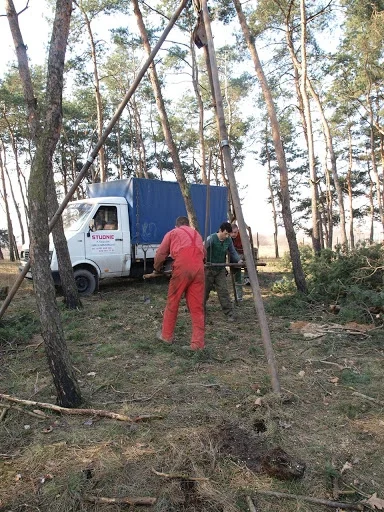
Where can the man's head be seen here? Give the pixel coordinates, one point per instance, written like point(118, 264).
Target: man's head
point(235, 230)
point(182, 221)
point(225, 230)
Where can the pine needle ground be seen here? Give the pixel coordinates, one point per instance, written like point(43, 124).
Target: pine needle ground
point(54, 463)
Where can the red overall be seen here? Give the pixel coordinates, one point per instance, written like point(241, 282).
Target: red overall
point(187, 277)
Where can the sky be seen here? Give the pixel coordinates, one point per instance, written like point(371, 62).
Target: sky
point(35, 30)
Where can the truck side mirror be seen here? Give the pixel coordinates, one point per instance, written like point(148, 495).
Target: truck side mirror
point(91, 227)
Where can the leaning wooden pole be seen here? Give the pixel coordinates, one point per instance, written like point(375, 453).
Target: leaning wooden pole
point(96, 149)
point(226, 152)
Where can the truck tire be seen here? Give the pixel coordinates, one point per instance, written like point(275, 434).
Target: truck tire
point(85, 281)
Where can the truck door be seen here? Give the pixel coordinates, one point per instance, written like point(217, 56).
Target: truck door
point(104, 245)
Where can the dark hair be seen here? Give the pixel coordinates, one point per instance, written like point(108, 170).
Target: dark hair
point(226, 226)
point(182, 221)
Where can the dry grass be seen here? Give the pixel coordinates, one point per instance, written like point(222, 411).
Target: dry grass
point(52, 464)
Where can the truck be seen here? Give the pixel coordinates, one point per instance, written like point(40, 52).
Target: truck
point(116, 231)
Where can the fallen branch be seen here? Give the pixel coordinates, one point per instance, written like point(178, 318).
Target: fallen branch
point(179, 476)
point(9, 455)
point(356, 393)
point(124, 500)
point(40, 415)
point(3, 413)
point(88, 412)
point(250, 504)
point(319, 501)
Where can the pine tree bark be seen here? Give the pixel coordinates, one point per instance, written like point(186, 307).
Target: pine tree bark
point(316, 242)
point(280, 155)
point(184, 187)
point(195, 83)
point(68, 392)
point(99, 102)
point(11, 238)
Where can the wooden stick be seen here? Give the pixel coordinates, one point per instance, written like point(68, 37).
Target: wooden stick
point(157, 274)
point(125, 499)
point(327, 503)
point(250, 504)
point(179, 476)
point(235, 265)
point(356, 393)
point(40, 415)
point(89, 412)
point(3, 413)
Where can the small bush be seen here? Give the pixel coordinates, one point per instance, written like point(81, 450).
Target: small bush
point(19, 328)
point(352, 279)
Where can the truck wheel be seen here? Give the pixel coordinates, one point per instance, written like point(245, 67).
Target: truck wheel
point(85, 281)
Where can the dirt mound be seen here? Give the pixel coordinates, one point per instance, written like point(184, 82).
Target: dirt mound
point(252, 450)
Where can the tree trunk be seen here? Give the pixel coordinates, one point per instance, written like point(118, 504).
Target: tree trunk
point(272, 198)
point(280, 155)
point(195, 82)
point(99, 102)
point(19, 174)
point(332, 156)
point(311, 152)
point(349, 187)
point(377, 181)
point(184, 187)
point(67, 280)
point(11, 238)
point(15, 205)
point(68, 392)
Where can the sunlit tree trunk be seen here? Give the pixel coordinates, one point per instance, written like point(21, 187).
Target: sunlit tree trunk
point(272, 199)
point(280, 154)
point(311, 151)
point(11, 238)
point(98, 98)
point(332, 157)
point(19, 174)
point(195, 83)
point(349, 188)
point(15, 204)
point(68, 392)
point(165, 122)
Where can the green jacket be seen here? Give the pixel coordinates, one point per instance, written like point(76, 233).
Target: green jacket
point(216, 250)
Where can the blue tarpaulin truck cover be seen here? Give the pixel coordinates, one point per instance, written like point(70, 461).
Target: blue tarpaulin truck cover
point(154, 205)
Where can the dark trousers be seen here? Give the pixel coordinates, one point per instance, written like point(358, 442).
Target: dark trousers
point(216, 278)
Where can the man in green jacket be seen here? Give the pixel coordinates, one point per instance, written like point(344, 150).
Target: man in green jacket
point(217, 246)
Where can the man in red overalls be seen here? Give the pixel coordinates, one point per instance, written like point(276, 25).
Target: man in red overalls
point(185, 246)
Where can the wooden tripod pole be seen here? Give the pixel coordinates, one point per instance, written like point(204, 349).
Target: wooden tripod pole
point(226, 152)
point(96, 149)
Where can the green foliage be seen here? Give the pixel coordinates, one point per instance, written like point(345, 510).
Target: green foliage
point(353, 279)
point(19, 328)
point(4, 240)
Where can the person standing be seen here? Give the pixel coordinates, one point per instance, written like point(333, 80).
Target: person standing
point(186, 247)
point(218, 245)
point(237, 272)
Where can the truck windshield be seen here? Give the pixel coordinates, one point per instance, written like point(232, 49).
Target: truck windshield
point(74, 215)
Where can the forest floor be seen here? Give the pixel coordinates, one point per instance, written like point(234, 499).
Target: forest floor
point(209, 419)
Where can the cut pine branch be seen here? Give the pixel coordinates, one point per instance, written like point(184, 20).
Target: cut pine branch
point(126, 500)
point(319, 501)
point(88, 412)
point(180, 476)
